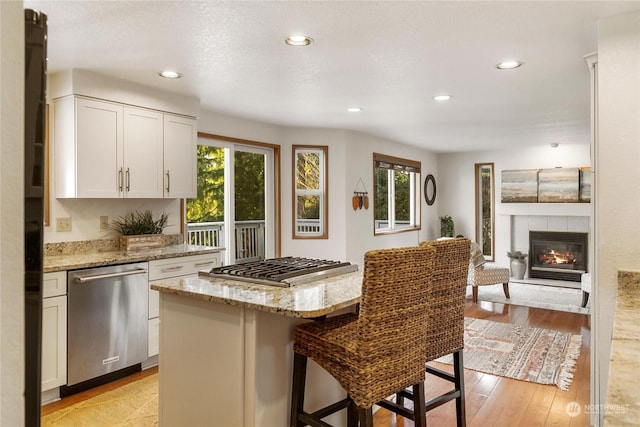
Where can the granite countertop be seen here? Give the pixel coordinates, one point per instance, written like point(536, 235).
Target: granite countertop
point(53, 263)
point(622, 397)
point(307, 300)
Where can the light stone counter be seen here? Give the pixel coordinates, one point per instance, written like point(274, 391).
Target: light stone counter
point(623, 400)
point(308, 300)
point(91, 258)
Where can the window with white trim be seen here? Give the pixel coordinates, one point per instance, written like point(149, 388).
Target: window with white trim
point(310, 192)
point(396, 194)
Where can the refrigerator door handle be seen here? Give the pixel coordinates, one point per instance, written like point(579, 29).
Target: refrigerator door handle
point(85, 279)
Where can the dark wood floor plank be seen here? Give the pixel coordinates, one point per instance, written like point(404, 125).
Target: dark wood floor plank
point(537, 411)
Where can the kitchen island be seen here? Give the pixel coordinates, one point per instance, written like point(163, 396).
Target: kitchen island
point(226, 356)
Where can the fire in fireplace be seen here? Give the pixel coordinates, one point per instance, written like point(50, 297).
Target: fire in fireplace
point(557, 255)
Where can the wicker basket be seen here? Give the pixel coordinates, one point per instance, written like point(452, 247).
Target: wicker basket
point(142, 241)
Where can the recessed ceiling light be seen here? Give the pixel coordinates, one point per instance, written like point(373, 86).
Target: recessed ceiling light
point(170, 74)
point(298, 40)
point(509, 65)
point(554, 145)
point(442, 97)
point(354, 109)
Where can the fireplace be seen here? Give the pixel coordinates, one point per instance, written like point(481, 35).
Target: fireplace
point(557, 255)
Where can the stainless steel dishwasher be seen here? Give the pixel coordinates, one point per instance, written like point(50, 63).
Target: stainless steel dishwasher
point(107, 320)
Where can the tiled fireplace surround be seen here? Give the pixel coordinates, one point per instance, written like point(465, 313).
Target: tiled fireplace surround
point(521, 220)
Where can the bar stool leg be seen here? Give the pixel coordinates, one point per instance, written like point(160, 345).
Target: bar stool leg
point(297, 392)
point(352, 415)
point(365, 417)
point(419, 412)
point(458, 372)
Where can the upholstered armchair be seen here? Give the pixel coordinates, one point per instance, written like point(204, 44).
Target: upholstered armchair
point(483, 273)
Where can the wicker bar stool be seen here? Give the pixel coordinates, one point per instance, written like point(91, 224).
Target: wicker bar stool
point(445, 325)
point(377, 352)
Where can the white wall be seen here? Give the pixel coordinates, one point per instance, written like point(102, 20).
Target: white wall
point(456, 186)
point(85, 216)
point(11, 214)
point(359, 224)
point(618, 174)
point(350, 158)
point(334, 246)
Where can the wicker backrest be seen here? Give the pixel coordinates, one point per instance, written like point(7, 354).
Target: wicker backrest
point(393, 311)
point(445, 326)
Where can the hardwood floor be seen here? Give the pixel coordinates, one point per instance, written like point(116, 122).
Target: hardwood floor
point(499, 401)
point(490, 400)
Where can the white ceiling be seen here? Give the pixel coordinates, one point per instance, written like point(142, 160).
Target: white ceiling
point(388, 57)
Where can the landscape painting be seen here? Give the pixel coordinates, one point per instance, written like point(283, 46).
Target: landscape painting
point(559, 185)
point(519, 186)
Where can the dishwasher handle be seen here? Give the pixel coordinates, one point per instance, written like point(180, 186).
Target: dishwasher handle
point(85, 279)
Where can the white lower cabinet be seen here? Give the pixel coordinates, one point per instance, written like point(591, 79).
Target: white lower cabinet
point(172, 268)
point(154, 336)
point(54, 330)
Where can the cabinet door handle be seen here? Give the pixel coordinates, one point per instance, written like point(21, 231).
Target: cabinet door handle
point(128, 180)
point(202, 264)
point(120, 180)
point(85, 279)
point(176, 268)
point(168, 181)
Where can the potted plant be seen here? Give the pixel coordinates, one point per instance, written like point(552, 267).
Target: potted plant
point(140, 230)
point(447, 228)
point(518, 264)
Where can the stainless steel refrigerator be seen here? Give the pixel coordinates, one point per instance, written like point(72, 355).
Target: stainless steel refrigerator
point(34, 144)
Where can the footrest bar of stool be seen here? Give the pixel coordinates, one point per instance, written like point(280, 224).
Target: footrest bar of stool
point(442, 399)
point(311, 421)
point(335, 407)
point(398, 409)
point(439, 373)
point(408, 394)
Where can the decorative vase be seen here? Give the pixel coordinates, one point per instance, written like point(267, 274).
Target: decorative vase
point(518, 268)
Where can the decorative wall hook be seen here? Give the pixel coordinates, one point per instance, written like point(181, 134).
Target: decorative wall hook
point(360, 199)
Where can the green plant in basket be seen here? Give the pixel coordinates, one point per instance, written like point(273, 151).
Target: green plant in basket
point(140, 222)
point(517, 255)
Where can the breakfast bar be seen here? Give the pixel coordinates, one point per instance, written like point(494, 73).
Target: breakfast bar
point(226, 355)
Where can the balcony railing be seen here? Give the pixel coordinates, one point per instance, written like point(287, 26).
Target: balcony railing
point(249, 238)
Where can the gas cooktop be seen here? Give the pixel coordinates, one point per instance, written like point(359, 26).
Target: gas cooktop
point(284, 272)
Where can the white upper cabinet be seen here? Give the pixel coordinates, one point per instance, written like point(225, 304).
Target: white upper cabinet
point(108, 150)
point(180, 137)
point(142, 164)
point(88, 142)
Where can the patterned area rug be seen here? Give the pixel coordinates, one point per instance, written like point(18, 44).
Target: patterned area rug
point(134, 404)
point(537, 355)
point(530, 295)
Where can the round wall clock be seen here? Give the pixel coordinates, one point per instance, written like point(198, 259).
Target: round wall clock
point(430, 189)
